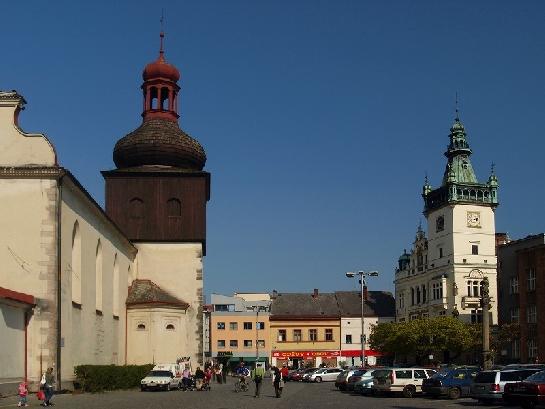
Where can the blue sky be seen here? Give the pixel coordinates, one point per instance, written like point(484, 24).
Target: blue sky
point(319, 118)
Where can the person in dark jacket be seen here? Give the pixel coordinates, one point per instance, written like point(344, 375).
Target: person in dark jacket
point(199, 378)
point(277, 382)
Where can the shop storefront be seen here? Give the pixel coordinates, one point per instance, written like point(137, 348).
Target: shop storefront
point(352, 357)
point(306, 359)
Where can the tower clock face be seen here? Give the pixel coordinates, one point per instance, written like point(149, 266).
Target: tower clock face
point(473, 219)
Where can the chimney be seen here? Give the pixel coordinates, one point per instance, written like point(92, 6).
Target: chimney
point(315, 293)
point(274, 294)
point(364, 293)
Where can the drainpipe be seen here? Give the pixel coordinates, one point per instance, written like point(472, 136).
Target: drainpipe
point(59, 277)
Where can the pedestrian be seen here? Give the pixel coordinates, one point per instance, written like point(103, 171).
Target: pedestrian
point(199, 378)
point(257, 376)
point(186, 375)
point(23, 393)
point(284, 372)
point(278, 383)
point(48, 387)
point(218, 373)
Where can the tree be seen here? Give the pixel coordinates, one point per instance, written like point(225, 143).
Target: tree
point(423, 337)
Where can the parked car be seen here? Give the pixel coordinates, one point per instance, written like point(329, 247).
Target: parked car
point(364, 385)
point(453, 382)
point(300, 374)
point(356, 377)
point(405, 380)
point(160, 379)
point(343, 376)
point(307, 375)
point(325, 375)
point(488, 386)
point(528, 393)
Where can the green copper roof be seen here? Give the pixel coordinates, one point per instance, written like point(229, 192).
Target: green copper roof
point(458, 167)
point(460, 185)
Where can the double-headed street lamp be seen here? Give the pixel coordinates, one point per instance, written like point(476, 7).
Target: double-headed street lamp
point(362, 275)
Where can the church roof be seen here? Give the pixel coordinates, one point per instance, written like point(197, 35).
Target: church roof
point(146, 292)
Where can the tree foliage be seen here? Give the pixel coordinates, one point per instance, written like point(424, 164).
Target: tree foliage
point(423, 336)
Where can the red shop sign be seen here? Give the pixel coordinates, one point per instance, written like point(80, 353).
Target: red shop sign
point(305, 354)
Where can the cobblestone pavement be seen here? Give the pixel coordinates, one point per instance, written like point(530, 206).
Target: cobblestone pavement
point(295, 396)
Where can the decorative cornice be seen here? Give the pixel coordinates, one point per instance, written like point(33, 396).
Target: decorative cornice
point(31, 172)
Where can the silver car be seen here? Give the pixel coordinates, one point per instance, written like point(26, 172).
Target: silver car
point(488, 385)
point(325, 375)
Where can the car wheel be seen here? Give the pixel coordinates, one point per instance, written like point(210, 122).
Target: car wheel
point(454, 393)
point(409, 391)
point(318, 379)
point(142, 388)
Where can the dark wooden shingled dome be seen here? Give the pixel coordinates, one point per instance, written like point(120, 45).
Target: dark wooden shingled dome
point(159, 142)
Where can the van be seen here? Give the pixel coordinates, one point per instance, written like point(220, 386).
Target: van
point(174, 368)
point(405, 380)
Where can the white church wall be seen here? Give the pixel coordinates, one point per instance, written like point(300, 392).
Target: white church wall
point(177, 268)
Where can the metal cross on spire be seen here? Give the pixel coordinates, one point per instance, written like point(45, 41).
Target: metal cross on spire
point(456, 107)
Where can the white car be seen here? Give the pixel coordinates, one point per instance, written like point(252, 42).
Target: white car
point(160, 379)
point(325, 375)
point(405, 380)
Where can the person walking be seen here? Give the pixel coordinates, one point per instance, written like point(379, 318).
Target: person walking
point(257, 376)
point(278, 383)
point(199, 378)
point(285, 372)
point(48, 387)
point(23, 393)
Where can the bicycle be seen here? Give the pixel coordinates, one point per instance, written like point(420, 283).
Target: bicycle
point(241, 386)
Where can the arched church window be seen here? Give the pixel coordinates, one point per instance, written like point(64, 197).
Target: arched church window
point(98, 276)
point(170, 327)
point(136, 208)
point(115, 288)
point(76, 264)
point(153, 100)
point(141, 327)
point(174, 208)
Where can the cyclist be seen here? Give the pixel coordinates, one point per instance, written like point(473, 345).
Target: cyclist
point(242, 372)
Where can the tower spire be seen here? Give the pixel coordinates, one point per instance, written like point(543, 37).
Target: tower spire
point(456, 108)
point(162, 36)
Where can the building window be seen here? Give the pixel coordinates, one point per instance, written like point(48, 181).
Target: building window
point(136, 208)
point(233, 326)
point(437, 291)
point(329, 334)
point(261, 343)
point(76, 265)
point(170, 327)
point(418, 295)
point(247, 325)
point(174, 208)
point(224, 307)
point(531, 279)
point(532, 348)
point(98, 276)
point(515, 315)
point(532, 314)
point(424, 294)
point(474, 249)
point(221, 325)
point(297, 335)
point(515, 348)
point(412, 296)
point(348, 338)
point(141, 327)
point(473, 289)
point(442, 313)
point(476, 316)
point(440, 224)
point(260, 325)
point(401, 298)
point(247, 343)
point(221, 343)
point(413, 317)
point(514, 285)
point(233, 344)
point(281, 335)
point(115, 288)
point(440, 252)
point(313, 334)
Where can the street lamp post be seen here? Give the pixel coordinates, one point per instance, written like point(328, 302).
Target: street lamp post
point(362, 275)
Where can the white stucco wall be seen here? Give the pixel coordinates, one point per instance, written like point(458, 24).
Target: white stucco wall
point(12, 339)
point(91, 336)
point(178, 269)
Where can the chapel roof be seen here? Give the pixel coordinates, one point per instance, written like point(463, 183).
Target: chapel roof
point(146, 292)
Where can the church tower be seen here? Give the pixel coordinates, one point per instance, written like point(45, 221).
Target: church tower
point(157, 196)
point(460, 247)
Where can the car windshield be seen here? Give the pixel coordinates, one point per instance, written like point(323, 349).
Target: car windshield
point(442, 374)
point(160, 373)
point(486, 377)
point(537, 377)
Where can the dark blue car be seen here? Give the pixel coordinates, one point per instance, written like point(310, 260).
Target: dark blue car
point(451, 382)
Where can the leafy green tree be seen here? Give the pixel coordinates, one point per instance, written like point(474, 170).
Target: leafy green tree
point(423, 337)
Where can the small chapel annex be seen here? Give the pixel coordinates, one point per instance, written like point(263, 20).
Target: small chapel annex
point(80, 284)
